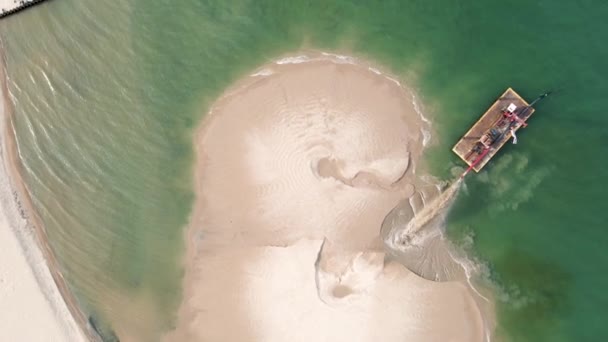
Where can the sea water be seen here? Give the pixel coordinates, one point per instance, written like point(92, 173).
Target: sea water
point(107, 94)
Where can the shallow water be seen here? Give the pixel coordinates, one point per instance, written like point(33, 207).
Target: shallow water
point(107, 93)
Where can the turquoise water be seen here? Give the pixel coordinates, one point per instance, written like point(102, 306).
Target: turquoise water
point(106, 139)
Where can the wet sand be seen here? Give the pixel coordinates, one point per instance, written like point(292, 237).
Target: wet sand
point(297, 167)
point(35, 302)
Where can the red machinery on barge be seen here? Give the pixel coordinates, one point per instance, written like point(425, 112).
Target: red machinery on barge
point(495, 127)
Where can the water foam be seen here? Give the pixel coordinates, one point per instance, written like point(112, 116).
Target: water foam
point(293, 60)
point(263, 72)
point(426, 133)
point(340, 58)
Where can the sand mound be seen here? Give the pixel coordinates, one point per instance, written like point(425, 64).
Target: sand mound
point(296, 172)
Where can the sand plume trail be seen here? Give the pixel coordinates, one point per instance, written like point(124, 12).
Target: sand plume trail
point(414, 234)
point(297, 169)
point(438, 207)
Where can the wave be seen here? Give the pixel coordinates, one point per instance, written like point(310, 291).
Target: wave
point(293, 60)
point(263, 72)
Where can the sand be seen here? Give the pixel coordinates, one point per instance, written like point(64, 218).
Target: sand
point(297, 167)
point(32, 306)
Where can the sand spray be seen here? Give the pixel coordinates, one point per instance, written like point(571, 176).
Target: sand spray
point(438, 206)
point(414, 236)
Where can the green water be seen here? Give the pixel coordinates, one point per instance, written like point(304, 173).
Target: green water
point(107, 151)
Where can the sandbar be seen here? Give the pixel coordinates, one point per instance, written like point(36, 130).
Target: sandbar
point(297, 167)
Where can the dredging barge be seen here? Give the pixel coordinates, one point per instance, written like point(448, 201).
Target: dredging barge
point(495, 127)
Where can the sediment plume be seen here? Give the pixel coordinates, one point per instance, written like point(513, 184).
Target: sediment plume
point(297, 169)
point(437, 208)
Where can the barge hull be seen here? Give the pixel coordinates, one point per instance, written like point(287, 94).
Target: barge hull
point(464, 148)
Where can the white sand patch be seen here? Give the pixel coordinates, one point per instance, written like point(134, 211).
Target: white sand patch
point(369, 302)
point(26, 314)
point(293, 60)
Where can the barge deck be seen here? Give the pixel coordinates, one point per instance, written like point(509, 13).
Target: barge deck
point(495, 127)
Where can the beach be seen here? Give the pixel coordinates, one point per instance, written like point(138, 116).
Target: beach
point(297, 167)
point(32, 307)
point(32, 289)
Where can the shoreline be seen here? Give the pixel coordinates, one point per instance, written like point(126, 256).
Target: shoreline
point(329, 255)
point(27, 227)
